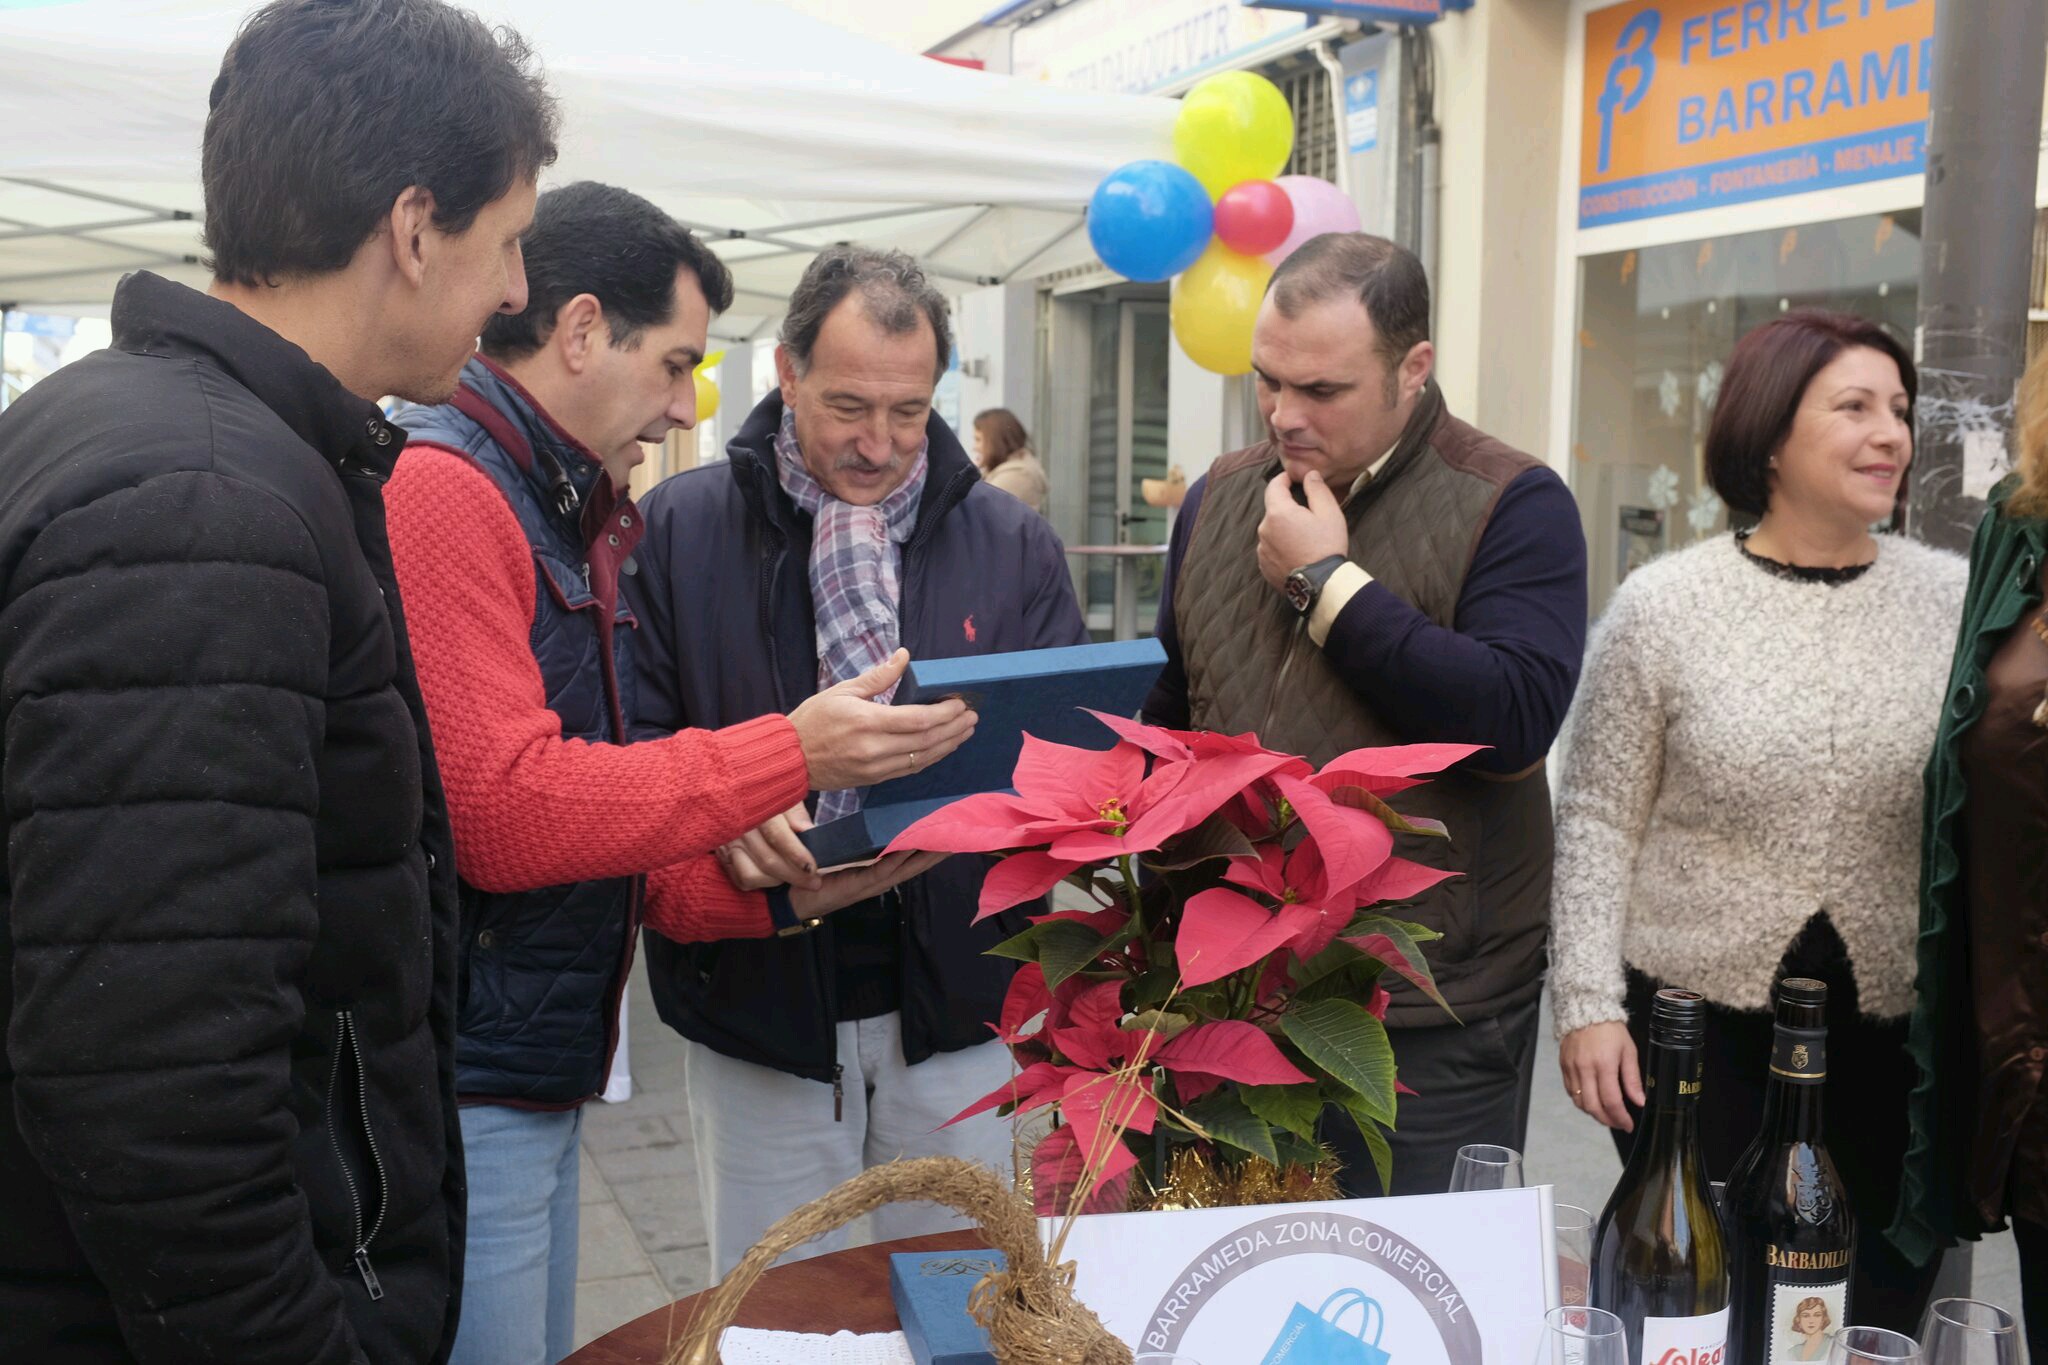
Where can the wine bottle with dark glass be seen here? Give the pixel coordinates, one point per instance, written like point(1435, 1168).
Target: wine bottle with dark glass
point(1791, 1233)
point(1658, 1259)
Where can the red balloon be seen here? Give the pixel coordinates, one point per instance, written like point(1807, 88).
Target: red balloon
point(1254, 217)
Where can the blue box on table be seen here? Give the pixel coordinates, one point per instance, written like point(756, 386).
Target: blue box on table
point(931, 1290)
point(1042, 691)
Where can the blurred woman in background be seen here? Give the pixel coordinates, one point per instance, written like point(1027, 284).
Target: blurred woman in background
point(1003, 452)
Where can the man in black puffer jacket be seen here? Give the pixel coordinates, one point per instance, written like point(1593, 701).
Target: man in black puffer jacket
point(815, 1055)
point(227, 1116)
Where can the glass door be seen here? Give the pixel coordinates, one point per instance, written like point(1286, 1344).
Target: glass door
point(1126, 538)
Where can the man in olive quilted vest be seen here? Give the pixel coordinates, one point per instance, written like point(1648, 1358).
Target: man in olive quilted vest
point(1377, 572)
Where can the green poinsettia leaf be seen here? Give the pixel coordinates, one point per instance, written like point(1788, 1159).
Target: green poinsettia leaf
point(1351, 1046)
point(1360, 799)
point(1060, 947)
point(1298, 1151)
point(1167, 1024)
point(1353, 981)
point(1214, 838)
point(1375, 1143)
point(1292, 1107)
point(1225, 1118)
point(1397, 943)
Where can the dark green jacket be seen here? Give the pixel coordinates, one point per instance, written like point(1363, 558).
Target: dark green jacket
point(1935, 1207)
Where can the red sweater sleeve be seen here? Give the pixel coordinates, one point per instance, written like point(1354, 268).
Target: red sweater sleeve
point(693, 902)
point(530, 808)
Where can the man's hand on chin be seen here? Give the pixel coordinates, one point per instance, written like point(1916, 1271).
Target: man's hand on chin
point(1293, 536)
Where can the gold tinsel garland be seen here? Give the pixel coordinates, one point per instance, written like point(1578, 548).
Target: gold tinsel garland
point(1195, 1179)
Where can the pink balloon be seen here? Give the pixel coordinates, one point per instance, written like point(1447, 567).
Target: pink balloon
point(1319, 207)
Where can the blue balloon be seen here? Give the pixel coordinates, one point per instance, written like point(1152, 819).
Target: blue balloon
point(1150, 220)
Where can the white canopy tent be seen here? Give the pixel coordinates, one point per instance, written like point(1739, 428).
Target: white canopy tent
point(772, 133)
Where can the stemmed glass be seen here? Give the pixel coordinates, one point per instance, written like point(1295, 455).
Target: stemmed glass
point(1581, 1336)
point(1481, 1166)
point(1969, 1332)
point(1873, 1346)
point(1574, 1254)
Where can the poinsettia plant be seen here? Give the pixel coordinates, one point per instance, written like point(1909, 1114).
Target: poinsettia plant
point(1225, 987)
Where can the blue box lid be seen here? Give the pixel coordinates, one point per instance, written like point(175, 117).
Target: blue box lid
point(931, 1289)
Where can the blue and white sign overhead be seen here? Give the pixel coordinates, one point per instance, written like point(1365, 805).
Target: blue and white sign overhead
point(1362, 110)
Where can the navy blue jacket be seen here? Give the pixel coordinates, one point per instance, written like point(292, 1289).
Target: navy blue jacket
point(727, 633)
point(542, 969)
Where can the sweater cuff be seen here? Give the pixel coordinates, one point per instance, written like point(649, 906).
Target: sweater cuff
point(1571, 1011)
point(1342, 585)
point(765, 760)
point(693, 902)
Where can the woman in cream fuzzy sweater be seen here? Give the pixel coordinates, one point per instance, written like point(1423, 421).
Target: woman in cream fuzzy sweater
point(1741, 791)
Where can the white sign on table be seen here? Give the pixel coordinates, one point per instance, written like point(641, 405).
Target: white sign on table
point(1442, 1279)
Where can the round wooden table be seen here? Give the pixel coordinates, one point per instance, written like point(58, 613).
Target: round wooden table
point(847, 1291)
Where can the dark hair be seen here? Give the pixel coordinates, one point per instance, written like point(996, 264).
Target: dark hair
point(1766, 377)
point(325, 111)
point(1384, 276)
point(596, 239)
point(1001, 434)
point(893, 290)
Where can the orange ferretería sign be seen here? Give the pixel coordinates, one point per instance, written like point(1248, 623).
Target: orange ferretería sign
point(1690, 104)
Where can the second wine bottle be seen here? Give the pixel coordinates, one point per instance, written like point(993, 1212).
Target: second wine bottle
point(1793, 1238)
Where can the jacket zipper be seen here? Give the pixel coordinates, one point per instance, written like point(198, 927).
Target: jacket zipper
point(771, 580)
point(1294, 634)
point(347, 1032)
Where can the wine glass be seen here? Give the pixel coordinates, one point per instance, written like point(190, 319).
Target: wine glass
point(1574, 1254)
point(1581, 1336)
point(1482, 1166)
point(1873, 1346)
point(1969, 1332)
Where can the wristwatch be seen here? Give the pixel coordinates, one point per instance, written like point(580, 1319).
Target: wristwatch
point(1305, 584)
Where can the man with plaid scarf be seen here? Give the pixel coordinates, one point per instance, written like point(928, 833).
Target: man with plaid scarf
point(847, 523)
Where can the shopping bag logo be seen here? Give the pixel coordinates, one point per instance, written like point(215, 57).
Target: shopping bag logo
point(1318, 1337)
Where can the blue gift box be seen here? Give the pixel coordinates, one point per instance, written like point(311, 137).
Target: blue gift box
point(1042, 691)
point(931, 1289)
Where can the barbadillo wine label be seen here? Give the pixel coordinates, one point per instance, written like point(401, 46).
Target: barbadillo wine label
point(1779, 1258)
point(1803, 1321)
point(1686, 1341)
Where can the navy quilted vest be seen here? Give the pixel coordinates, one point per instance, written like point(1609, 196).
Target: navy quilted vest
point(542, 969)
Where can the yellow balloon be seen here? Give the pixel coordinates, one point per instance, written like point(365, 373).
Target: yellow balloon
point(1215, 302)
point(1234, 126)
point(710, 362)
point(707, 397)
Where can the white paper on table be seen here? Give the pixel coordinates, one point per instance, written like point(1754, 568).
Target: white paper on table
point(1456, 1279)
point(751, 1346)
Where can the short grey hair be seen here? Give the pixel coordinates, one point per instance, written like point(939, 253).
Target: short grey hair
point(894, 293)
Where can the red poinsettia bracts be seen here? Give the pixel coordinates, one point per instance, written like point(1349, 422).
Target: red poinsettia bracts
point(1226, 986)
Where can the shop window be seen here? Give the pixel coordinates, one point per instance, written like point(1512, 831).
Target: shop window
point(1655, 329)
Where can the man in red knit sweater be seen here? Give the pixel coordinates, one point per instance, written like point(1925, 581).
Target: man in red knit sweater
point(510, 526)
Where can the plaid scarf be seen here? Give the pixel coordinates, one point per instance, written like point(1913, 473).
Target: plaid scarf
point(856, 576)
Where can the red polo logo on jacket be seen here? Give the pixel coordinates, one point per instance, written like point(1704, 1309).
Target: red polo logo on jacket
point(967, 628)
